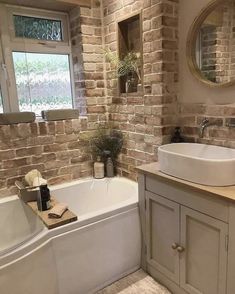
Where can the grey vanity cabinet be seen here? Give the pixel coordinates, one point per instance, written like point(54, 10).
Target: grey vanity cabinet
point(163, 228)
point(186, 246)
point(203, 263)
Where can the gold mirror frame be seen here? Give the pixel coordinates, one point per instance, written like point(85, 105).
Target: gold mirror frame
point(191, 43)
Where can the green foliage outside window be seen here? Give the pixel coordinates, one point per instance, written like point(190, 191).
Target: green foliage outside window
point(43, 81)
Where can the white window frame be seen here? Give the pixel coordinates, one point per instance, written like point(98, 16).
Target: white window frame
point(4, 82)
point(42, 14)
point(11, 44)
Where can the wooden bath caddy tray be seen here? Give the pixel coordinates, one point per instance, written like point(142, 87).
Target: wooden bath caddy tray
point(52, 223)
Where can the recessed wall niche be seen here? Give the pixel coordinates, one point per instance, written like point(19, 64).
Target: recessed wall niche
point(130, 53)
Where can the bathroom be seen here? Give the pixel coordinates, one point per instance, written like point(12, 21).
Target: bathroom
point(164, 223)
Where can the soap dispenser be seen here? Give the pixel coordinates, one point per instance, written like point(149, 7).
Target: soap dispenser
point(177, 138)
point(98, 169)
point(109, 168)
point(43, 198)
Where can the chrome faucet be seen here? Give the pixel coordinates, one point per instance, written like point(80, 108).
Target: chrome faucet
point(204, 124)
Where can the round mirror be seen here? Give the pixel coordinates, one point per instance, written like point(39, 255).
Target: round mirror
point(211, 44)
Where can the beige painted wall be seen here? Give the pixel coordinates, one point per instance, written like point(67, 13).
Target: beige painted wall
point(190, 89)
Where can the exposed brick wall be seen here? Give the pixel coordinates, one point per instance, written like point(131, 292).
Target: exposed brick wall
point(77, 57)
point(225, 48)
point(145, 118)
point(191, 115)
point(88, 60)
point(208, 52)
point(217, 45)
point(54, 148)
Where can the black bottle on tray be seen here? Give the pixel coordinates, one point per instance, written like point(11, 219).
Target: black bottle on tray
point(44, 198)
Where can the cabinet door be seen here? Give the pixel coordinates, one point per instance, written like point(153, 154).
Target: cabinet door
point(203, 263)
point(162, 232)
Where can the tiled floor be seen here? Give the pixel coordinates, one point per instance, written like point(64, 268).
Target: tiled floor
point(136, 283)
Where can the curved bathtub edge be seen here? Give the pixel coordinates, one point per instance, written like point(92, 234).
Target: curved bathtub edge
point(24, 250)
point(46, 236)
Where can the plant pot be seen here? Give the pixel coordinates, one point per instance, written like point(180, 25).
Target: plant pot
point(131, 84)
point(127, 86)
point(139, 88)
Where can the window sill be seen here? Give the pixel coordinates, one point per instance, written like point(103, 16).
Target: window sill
point(41, 121)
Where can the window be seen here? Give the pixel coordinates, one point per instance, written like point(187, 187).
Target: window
point(43, 81)
point(33, 26)
point(37, 28)
point(38, 66)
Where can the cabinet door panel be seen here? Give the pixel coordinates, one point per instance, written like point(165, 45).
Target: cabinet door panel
point(162, 231)
point(203, 263)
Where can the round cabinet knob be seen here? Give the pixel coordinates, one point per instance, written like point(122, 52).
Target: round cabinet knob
point(180, 249)
point(174, 246)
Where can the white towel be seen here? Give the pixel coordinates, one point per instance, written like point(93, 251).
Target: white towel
point(30, 176)
point(58, 210)
point(39, 182)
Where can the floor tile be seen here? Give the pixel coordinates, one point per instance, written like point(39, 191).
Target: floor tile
point(136, 283)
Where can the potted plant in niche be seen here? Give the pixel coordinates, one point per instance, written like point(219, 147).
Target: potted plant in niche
point(128, 67)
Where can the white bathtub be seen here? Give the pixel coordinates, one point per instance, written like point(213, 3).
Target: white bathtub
point(18, 224)
point(82, 257)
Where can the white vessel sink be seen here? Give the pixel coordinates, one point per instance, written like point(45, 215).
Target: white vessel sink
point(198, 163)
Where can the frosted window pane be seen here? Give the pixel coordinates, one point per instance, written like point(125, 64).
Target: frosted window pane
point(43, 81)
point(37, 28)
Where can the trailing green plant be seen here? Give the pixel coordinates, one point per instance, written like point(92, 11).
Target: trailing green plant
point(128, 65)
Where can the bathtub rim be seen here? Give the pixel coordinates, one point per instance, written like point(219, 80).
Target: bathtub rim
point(88, 179)
point(9, 198)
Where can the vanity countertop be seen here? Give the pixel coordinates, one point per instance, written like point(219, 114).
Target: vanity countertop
point(153, 169)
